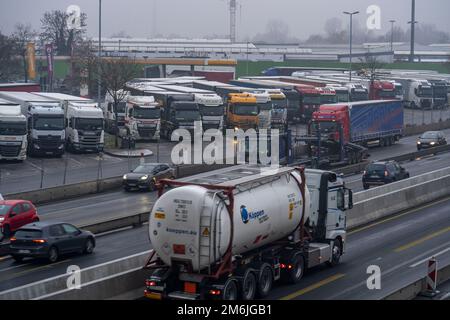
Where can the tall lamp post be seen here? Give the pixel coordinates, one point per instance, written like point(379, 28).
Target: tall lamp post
point(351, 38)
point(99, 51)
point(392, 34)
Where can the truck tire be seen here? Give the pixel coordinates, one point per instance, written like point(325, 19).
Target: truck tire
point(230, 290)
point(293, 275)
point(248, 286)
point(265, 280)
point(336, 253)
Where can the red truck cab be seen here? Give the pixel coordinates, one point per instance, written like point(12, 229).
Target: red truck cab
point(330, 117)
point(309, 101)
point(382, 90)
point(15, 214)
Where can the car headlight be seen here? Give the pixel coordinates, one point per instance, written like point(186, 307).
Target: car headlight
point(144, 177)
point(2, 218)
point(124, 177)
point(418, 142)
point(433, 143)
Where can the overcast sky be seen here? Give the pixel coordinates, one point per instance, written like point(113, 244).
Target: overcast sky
point(197, 18)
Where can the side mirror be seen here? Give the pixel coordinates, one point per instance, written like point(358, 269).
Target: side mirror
point(12, 215)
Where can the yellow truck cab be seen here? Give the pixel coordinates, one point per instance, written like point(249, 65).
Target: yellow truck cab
point(242, 111)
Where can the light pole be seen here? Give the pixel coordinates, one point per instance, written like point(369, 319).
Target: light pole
point(247, 58)
point(99, 51)
point(392, 34)
point(351, 38)
point(412, 23)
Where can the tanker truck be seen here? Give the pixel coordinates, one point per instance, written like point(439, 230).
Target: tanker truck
point(231, 233)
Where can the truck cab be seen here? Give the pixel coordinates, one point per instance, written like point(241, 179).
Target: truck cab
point(110, 110)
point(342, 93)
point(212, 110)
point(440, 96)
point(264, 103)
point(242, 111)
point(143, 117)
point(310, 100)
point(13, 132)
point(279, 109)
point(358, 92)
point(421, 94)
point(381, 90)
point(45, 118)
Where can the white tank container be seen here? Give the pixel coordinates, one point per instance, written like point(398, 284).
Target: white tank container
point(181, 228)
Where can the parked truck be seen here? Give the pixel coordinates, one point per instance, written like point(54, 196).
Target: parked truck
point(233, 239)
point(418, 93)
point(143, 118)
point(264, 103)
point(180, 111)
point(279, 109)
point(339, 133)
point(110, 109)
point(242, 111)
point(84, 122)
point(13, 131)
point(212, 110)
point(45, 122)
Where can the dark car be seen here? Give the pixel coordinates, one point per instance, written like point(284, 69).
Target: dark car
point(383, 172)
point(145, 176)
point(15, 214)
point(50, 240)
point(431, 139)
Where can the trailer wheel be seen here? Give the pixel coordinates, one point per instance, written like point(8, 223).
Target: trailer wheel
point(249, 286)
point(336, 253)
point(230, 290)
point(295, 273)
point(265, 280)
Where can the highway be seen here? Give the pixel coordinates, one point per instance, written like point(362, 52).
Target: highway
point(398, 245)
point(18, 177)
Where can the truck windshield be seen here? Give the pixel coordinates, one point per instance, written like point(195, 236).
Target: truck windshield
point(398, 90)
point(13, 128)
point(359, 96)
point(187, 115)
point(440, 92)
point(48, 123)
point(425, 92)
point(265, 106)
point(146, 113)
point(325, 99)
point(121, 107)
point(245, 109)
point(311, 100)
point(342, 96)
point(89, 124)
point(279, 104)
point(325, 127)
point(387, 94)
point(211, 110)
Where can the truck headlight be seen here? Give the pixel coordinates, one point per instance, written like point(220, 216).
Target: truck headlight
point(143, 178)
point(418, 142)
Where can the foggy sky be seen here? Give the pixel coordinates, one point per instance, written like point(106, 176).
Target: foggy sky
point(198, 18)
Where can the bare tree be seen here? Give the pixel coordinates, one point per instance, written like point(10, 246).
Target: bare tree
point(22, 35)
point(8, 62)
point(369, 69)
point(56, 30)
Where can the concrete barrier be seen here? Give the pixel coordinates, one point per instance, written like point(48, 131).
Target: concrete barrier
point(413, 130)
point(97, 282)
point(419, 154)
point(412, 290)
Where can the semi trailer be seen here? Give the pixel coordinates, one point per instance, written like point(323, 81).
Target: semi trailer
point(231, 233)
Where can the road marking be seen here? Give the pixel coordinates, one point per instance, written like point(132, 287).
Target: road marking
point(426, 259)
point(313, 287)
point(20, 273)
point(34, 165)
point(422, 240)
point(14, 267)
point(398, 216)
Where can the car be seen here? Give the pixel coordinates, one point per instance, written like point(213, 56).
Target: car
point(15, 214)
point(145, 176)
point(383, 172)
point(431, 139)
point(50, 240)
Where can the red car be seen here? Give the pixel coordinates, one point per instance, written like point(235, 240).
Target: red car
point(15, 214)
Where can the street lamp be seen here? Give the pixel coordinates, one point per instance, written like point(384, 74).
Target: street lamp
point(392, 34)
point(351, 37)
point(99, 51)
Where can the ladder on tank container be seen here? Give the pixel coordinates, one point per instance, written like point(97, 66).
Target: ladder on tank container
point(206, 233)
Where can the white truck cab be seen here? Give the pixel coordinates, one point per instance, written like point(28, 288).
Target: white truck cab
point(13, 132)
point(143, 118)
point(264, 103)
point(84, 122)
point(109, 111)
point(212, 110)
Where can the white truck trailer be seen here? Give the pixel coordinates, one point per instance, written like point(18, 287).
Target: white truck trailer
point(45, 118)
point(143, 118)
point(230, 233)
point(13, 132)
point(84, 122)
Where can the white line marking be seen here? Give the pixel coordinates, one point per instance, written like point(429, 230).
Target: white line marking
point(426, 259)
point(14, 267)
point(34, 165)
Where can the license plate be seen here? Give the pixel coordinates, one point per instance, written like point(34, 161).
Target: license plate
point(49, 153)
point(375, 177)
point(24, 251)
point(153, 295)
point(132, 185)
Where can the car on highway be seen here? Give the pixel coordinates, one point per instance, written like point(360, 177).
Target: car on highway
point(15, 214)
point(145, 176)
point(50, 240)
point(383, 172)
point(431, 139)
